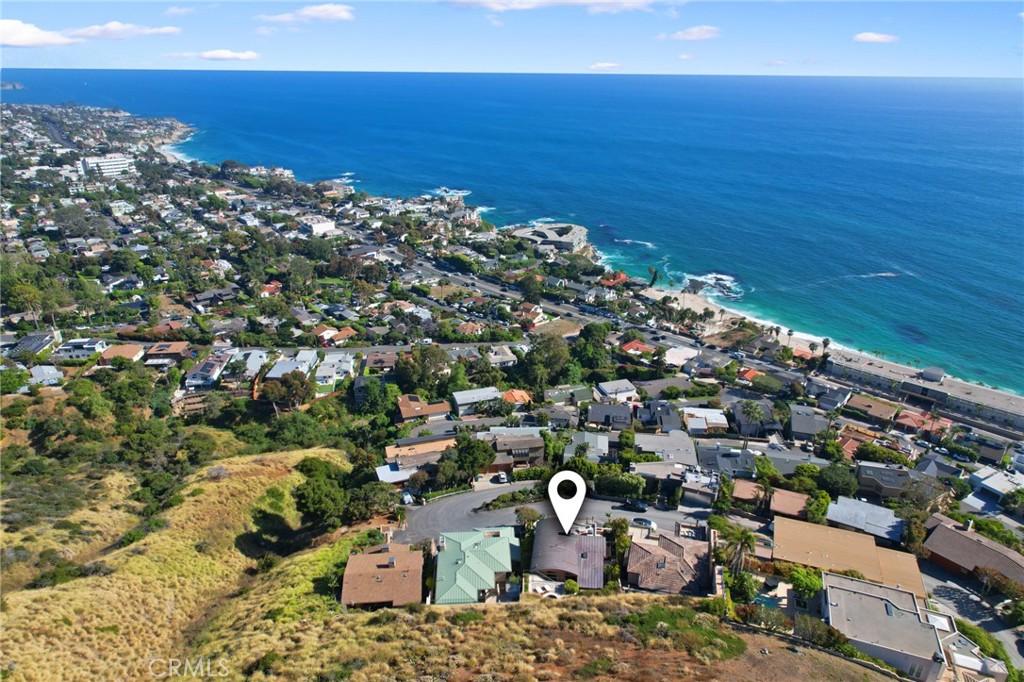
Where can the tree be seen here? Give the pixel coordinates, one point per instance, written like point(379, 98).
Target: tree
point(373, 499)
point(806, 582)
point(739, 542)
point(545, 360)
point(12, 379)
point(531, 288)
point(837, 480)
point(817, 507)
point(572, 587)
point(321, 500)
point(527, 516)
point(754, 416)
point(742, 586)
point(582, 466)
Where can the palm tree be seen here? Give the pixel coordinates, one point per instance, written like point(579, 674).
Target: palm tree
point(825, 343)
point(813, 345)
point(739, 542)
point(789, 333)
point(754, 414)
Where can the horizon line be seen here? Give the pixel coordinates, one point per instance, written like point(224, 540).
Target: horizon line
point(512, 73)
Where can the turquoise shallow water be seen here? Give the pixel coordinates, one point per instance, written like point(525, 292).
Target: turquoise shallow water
point(886, 214)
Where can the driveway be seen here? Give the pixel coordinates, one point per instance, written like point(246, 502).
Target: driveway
point(953, 594)
point(456, 513)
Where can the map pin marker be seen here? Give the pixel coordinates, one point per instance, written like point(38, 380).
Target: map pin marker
point(566, 509)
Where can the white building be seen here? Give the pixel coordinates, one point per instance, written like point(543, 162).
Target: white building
point(79, 349)
point(335, 366)
point(316, 225)
point(109, 166)
point(304, 361)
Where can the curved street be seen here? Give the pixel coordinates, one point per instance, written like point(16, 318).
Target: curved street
point(457, 513)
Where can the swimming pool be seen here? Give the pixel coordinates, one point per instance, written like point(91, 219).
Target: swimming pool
point(767, 600)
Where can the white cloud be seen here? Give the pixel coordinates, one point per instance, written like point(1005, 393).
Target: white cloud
point(605, 67)
point(703, 32)
point(178, 11)
point(14, 33)
point(592, 6)
point(778, 62)
point(266, 30)
point(494, 20)
point(686, 57)
point(871, 37)
point(115, 30)
point(216, 55)
point(229, 55)
point(327, 12)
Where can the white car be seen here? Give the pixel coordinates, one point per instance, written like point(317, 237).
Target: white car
point(641, 522)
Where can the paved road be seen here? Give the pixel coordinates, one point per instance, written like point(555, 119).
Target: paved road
point(456, 513)
point(950, 592)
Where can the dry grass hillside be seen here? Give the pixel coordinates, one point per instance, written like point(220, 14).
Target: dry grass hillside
point(162, 588)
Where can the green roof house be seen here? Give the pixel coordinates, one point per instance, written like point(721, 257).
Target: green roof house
point(472, 566)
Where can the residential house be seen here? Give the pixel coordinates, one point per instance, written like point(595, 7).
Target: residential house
point(886, 623)
point(561, 557)
point(129, 351)
point(168, 353)
point(619, 391)
point(702, 421)
point(501, 356)
point(383, 576)
point(411, 406)
point(45, 375)
point(253, 359)
point(516, 396)
point(272, 288)
point(925, 424)
point(79, 349)
point(343, 335)
point(596, 446)
point(834, 549)
point(636, 347)
point(304, 362)
point(559, 417)
point(612, 416)
point(895, 480)
point(672, 565)
point(756, 428)
point(569, 395)
point(679, 356)
point(469, 402)
point(865, 517)
point(936, 467)
point(805, 423)
point(991, 485)
point(380, 362)
point(829, 396)
point(514, 451)
point(674, 446)
point(205, 301)
point(660, 414)
point(334, 368)
point(469, 328)
point(204, 375)
point(474, 566)
point(962, 550)
point(35, 343)
point(324, 332)
point(872, 410)
point(728, 461)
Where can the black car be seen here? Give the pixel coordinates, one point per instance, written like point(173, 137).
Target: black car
point(636, 505)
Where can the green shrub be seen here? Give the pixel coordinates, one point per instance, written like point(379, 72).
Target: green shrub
point(463, 618)
point(572, 587)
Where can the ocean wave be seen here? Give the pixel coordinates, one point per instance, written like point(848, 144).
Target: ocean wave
point(484, 209)
point(541, 221)
point(636, 241)
point(447, 192)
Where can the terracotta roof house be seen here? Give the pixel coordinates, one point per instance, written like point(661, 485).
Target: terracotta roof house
point(749, 374)
point(962, 550)
point(636, 347)
point(919, 422)
point(384, 576)
point(411, 406)
point(559, 556)
point(344, 334)
point(469, 328)
point(832, 549)
point(669, 566)
point(271, 289)
point(788, 503)
point(128, 351)
point(516, 396)
point(615, 279)
point(473, 566)
point(324, 331)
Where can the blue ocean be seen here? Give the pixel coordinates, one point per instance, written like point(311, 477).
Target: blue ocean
point(887, 214)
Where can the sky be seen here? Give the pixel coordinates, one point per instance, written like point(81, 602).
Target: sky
point(824, 38)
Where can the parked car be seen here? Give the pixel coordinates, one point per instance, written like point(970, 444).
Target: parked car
point(502, 477)
point(636, 505)
point(941, 451)
point(641, 522)
point(961, 458)
point(922, 444)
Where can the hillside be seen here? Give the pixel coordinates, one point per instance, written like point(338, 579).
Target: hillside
point(163, 586)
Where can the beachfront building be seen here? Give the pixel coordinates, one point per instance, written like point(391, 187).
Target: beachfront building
point(929, 388)
point(559, 236)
